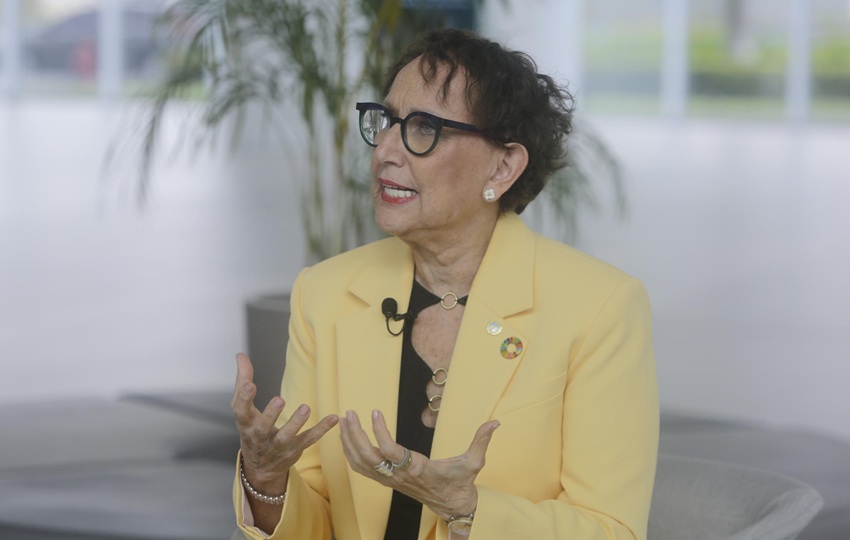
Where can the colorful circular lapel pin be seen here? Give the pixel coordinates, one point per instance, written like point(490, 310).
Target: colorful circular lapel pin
point(511, 347)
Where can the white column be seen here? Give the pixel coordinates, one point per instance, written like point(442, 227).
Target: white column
point(549, 30)
point(675, 65)
point(11, 68)
point(570, 17)
point(110, 50)
point(798, 72)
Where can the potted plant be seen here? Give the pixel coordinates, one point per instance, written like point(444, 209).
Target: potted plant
point(321, 55)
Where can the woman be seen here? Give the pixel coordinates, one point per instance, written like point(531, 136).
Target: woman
point(487, 382)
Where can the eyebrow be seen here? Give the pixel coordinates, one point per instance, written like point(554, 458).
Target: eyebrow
point(395, 111)
point(388, 106)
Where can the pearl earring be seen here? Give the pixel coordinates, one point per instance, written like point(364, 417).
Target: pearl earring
point(489, 194)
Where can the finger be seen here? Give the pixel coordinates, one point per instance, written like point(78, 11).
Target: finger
point(345, 438)
point(292, 428)
point(243, 393)
point(244, 370)
point(348, 446)
point(480, 443)
point(294, 424)
point(312, 435)
point(387, 446)
point(266, 421)
point(243, 404)
point(360, 445)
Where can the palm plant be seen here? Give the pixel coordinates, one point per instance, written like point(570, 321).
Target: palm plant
point(324, 54)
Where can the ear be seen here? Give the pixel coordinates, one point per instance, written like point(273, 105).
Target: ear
point(512, 161)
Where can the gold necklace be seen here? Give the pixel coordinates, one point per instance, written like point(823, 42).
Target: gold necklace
point(453, 299)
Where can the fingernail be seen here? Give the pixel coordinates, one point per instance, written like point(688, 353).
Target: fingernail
point(375, 414)
point(249, 387)
point(303, 410)
point(277, 403)
point(350, 415)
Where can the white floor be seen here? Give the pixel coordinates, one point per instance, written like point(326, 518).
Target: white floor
point(740, 232)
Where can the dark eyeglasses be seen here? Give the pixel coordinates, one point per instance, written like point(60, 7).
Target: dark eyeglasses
point(420, 131)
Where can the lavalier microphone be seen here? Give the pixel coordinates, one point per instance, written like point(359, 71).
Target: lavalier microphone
point(389, 307)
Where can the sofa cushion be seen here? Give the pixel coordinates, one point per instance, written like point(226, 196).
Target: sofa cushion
point(817, 459)
point(70, 432)
point(710, 500)
point(181, 500)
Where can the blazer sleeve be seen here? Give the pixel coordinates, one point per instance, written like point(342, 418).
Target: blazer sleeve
point(306, 511)
point(609, 437)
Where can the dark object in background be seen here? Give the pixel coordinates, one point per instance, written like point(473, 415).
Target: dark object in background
point(70, 46)
point(267, 326)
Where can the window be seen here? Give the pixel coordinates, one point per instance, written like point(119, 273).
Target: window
point(84, 47)
point(623, 46)
point(756, 59)
point(831, 60)
point(738, 56)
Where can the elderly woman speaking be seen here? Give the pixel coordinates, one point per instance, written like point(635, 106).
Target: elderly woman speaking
point(488, 382)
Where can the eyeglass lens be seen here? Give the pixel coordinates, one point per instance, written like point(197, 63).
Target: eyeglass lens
point(418, 132)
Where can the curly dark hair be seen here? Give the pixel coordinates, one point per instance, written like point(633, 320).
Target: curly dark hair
point(505, 95)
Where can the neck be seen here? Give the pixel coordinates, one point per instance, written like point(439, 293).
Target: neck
point(450, 263)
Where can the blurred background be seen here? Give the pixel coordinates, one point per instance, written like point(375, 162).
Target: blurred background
point(730, 120)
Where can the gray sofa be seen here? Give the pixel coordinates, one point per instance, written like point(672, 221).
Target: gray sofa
point(160, 467)
point(712, 500)
point(91, 469)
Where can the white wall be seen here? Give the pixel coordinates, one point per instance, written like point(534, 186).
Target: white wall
point(97, 298)
point(741, 234)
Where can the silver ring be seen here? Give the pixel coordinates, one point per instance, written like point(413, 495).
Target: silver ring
point(405, 461)
point(385, 467)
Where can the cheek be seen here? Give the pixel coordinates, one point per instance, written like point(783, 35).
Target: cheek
point(466, 172)
point(373, 163)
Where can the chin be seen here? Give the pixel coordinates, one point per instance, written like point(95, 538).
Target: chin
point(389, 226)
point(390, 221)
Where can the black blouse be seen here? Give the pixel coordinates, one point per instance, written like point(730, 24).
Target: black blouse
point(405, 512)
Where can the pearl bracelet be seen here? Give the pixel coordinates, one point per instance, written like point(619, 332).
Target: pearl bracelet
point(262, 497)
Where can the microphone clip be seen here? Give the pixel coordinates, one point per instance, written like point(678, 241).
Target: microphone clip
point(389, 307)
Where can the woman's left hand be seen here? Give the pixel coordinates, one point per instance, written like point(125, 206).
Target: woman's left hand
point(446, 486)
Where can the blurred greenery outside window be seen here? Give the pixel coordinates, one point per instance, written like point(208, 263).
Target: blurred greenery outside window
point(623, 43)
point(737, 55)
point(831, 60)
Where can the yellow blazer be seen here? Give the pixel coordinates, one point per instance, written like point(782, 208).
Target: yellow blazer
point(575, 454)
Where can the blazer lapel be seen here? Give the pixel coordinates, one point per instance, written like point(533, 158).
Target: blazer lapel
point(369, 357)
point(369, 367)
point(479, 372)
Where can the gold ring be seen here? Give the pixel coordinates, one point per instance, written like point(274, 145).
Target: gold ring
point(450, 295)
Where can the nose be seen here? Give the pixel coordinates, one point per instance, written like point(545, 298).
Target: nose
point(390, 145)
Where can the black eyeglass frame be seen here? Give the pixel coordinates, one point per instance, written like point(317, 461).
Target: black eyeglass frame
point(439, 123)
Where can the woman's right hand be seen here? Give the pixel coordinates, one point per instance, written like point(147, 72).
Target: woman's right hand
point(267, 451)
